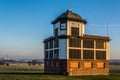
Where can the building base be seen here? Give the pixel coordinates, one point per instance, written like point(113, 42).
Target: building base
point(77, 67)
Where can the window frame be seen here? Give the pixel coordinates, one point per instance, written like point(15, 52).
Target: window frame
point(88, 54)
point(73, 55)
point(99, 56)
point(75, 31)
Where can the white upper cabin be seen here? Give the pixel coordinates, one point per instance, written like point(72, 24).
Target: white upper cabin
point(63, 24)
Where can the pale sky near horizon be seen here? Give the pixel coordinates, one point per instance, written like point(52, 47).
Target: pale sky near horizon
point(24, 24)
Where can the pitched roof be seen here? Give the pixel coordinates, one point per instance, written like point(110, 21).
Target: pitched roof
point(70, 16)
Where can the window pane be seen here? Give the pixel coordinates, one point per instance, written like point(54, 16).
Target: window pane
point(74, 54)
point(100, 44)
point(56, 43)
point(74, 31)
point(56, 54)
point(51, 44)
point(75, 42)
point(56, 32)
point(88, 54)
point(51, 54)
point(46, 54)
point(100, 54)
point(88, 43)
point(46, 45)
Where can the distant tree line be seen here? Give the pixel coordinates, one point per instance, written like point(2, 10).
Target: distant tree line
point(115, 63)
point(34, 62)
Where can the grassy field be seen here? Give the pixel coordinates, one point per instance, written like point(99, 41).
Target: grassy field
point(21, 69)
point(54, 77)
point(23, 72)
point(115, 69)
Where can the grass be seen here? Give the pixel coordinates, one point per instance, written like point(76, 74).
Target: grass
point(54, 77)
point(115, 69)
point(21, 68)
point(23, 72)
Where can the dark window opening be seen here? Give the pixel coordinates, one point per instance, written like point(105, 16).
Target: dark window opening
point(100, 44)
point(74, 31)
point(56, 54)
point(56, 43)
point(88, 54)
point(46, 45)
point(56, 32)
point(74, 42)
point(51, 54)
point(46, 54)
point(51, 44)
point(101, 55)
point(88, 43)
point(74, 54)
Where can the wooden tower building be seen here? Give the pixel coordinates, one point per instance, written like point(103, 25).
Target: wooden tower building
point(72, 52)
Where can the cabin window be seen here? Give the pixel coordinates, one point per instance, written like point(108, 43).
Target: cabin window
point(56, 32)
point(46, 54)
point(88, 54)
point(46, 45)
point(74, 31)
point(74, 54)
point(51, 44)
point(56, 54)
point(51, 54)
point(74, 42)
point(100, 44)
point(88, 43)
point(56, 43)
point(101, 55)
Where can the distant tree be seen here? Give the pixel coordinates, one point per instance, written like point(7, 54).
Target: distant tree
point(29, 63)
point(34, 62)
point(2, 63)
point(7, 64)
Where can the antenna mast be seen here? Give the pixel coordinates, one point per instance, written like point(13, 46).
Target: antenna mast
point(107, 26)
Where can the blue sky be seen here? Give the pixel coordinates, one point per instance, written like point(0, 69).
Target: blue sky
point(25, 23)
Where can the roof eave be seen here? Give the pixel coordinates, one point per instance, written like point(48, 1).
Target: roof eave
point(57, 19)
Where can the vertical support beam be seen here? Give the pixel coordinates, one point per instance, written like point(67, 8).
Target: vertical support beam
point(67, 48)
point(48, 54)
point(53, 49)
point(94, 49)
point(107, 51)
point(81, 49)
point(83, 29)
point(80, 29)
point(44, 51)
point(48, 50)
point(68, 28)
